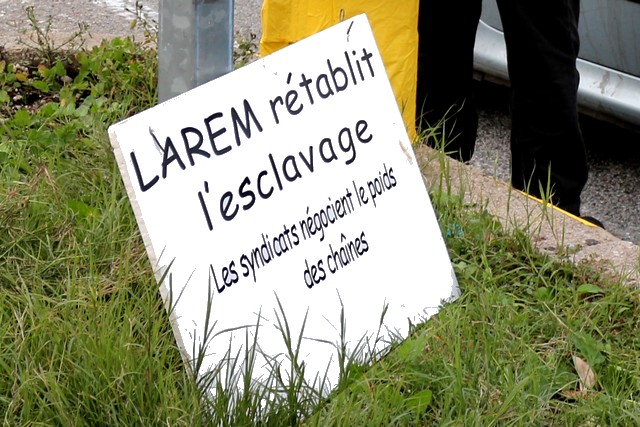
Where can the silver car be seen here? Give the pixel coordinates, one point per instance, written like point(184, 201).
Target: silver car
point(609, 60)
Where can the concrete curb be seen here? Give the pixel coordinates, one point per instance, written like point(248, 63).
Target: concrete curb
point(552, 231)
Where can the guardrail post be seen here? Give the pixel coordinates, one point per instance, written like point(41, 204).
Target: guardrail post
point(195, 44)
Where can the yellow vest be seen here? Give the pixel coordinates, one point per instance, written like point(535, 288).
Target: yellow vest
point(394, 24)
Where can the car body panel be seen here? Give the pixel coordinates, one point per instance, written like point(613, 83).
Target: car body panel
point(610, 34)
point(609, 60)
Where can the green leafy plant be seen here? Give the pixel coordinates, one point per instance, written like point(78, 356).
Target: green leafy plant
point(245, 50)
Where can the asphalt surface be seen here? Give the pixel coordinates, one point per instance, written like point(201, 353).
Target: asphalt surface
point(612, 193)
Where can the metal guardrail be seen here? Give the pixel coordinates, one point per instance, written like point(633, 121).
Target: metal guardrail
point(195, 44)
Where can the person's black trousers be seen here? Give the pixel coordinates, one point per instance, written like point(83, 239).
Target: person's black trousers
point(547, 149)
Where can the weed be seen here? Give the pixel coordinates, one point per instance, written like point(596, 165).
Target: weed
point(142, 18)
point(245, 50)
point(39, 39)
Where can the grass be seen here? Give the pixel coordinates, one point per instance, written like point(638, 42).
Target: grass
point(85, 339)
point(502, 354)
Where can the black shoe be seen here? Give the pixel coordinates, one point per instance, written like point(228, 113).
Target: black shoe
point(592, 221)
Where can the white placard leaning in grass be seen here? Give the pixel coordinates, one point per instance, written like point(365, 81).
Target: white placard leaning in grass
point(287, 190)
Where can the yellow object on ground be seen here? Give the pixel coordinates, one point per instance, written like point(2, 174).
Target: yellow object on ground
point(394, 24)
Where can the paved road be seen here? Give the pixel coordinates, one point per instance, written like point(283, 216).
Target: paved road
point(612, 193)
point(104, 16)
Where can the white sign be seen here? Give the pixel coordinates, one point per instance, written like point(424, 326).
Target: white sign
point(291, 179)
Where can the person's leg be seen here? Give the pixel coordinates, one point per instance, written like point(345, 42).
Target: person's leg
point(547, 149)
point(447, 31)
